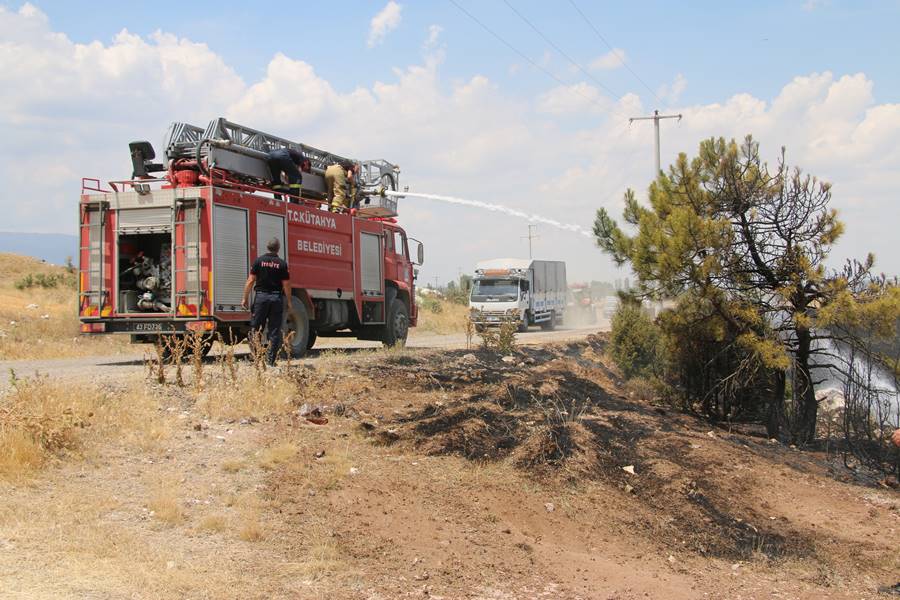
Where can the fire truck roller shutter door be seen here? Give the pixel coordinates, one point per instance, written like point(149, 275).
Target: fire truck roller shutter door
point(231, 262)
point(270, 226)
point(371, 263)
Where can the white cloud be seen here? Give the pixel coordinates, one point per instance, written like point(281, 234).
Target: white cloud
point(573, 99)
point(68, 110)
point(671, 93)
point(434, 32)
point(613, 59)
point(387, 20)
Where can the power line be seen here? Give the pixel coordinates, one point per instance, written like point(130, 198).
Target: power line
point(559, 50)
point(524, 56)
point(613, 50)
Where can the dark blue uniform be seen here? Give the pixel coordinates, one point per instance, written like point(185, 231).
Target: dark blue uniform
point(286, 161)
point(268, 305)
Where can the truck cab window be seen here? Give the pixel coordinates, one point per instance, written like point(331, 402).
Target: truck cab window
point(399, 246)
point(486, 290)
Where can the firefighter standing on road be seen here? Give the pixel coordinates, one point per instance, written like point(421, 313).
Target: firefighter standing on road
point(269, 277)
point(337, 178)
point(286, 161)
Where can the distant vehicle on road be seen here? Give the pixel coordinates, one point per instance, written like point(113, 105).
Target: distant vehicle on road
point(525, 291)
point(580, 307)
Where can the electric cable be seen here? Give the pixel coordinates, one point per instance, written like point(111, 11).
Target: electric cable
point(613, 50)
point(525, 57)
point(560, 51)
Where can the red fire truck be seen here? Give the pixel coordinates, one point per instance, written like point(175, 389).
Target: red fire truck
point(169, 253)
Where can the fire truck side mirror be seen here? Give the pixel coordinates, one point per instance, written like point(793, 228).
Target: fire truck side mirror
point(420, 252)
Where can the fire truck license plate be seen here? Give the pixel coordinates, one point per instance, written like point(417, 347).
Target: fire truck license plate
point(146, 327)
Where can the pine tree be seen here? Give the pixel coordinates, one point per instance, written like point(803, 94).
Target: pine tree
point(751, 243)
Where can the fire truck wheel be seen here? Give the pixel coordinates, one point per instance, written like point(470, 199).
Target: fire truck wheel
point(396, 327)
point(297, 321)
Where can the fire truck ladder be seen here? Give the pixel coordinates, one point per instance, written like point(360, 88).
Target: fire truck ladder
point(243, 150)
point(186, 214)
point(90, 276)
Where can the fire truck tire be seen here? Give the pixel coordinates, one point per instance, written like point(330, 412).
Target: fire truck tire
point(297, 321)
point(396, 328)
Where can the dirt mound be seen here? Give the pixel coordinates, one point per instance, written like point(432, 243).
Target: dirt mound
point(560, 414)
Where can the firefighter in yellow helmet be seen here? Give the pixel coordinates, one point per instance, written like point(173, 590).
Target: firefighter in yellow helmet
point(340, 185)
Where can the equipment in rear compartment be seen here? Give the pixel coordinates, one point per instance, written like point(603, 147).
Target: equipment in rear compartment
point(145, 279)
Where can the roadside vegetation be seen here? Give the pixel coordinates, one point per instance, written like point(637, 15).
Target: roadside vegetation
point(760, 320)
point(440, 315)
point(39, 313)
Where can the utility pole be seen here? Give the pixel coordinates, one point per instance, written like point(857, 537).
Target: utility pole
point(655, 118)
point(435, 282)
point(530, 237)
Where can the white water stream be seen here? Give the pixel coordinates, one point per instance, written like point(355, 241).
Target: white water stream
point(500, 209)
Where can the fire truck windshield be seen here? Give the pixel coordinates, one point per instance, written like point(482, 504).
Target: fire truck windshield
point(495, 289)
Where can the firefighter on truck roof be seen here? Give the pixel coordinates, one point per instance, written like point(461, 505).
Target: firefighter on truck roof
point(286, 162)
point(338, 178)
point(269, 277)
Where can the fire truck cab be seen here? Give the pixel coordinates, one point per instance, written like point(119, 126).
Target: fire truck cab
point(171, 254)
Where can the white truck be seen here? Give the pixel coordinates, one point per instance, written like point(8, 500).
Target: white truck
point(526, 291)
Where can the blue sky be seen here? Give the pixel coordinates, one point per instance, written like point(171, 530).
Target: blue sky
point(462, 113)
point(723, 48)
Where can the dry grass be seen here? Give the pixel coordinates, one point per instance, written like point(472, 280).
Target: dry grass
point(249, 524)
point(165, 506)
point(233, 465)
point(451, 318)
point(246, 398)
point(20, 452)
point(323, 558)
point(42, 420)
point(275, 455)
point(52, 329)
point(250, 529)
point(337, 465)
point(215, 523)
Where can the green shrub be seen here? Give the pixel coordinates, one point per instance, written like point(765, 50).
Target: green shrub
point(635, 343)
point(501, 340)
point(431, 304)
point(45, 280)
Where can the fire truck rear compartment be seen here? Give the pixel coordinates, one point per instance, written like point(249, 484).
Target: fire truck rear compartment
point(145, 273)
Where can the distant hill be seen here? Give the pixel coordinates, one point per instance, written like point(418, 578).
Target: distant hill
point(51, 247)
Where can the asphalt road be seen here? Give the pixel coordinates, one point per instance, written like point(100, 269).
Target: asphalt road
point(114, 367)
